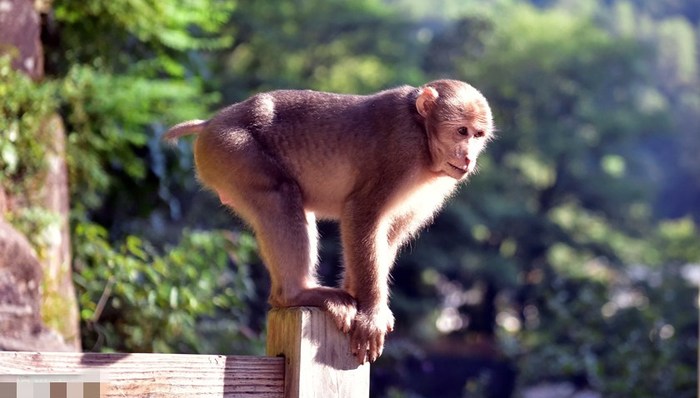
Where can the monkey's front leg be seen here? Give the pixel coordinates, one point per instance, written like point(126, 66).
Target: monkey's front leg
point(368, 259)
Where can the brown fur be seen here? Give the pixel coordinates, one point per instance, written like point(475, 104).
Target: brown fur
point(381, 164)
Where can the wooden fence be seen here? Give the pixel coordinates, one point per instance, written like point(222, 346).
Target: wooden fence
point(307, 357)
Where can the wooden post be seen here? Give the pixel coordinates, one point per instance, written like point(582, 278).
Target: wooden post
point(318, 362)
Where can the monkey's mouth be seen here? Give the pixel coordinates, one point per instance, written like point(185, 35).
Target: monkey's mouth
point(461, 170)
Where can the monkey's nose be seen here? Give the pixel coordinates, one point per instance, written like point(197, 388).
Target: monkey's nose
point(470, 164)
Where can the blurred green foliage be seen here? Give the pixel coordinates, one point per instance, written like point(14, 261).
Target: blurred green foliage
point(117, 72)
point(341, 46)
point(560, 218)
point(151, 37)
point(116, 92)
point(111, 115)
point(24, 108)
point(572, 256)
point(621, 339)
point(120, 85)
point(134, 299)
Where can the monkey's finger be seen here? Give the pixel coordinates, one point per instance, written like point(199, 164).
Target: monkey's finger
point(372, 349)
point(372, 355)
point(376, 346)
point(360, 355)
point(355, 345)
point(343, 323)
point(380, 346)
point(360, 345)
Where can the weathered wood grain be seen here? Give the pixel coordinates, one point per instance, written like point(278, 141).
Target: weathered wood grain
point(318, 361)
point(155, 375)
point(309, 358)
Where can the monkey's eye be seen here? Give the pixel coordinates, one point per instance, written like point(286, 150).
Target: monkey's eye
point(479, 134)
point(462, 131)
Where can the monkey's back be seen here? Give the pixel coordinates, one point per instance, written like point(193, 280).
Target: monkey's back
point(323, 141)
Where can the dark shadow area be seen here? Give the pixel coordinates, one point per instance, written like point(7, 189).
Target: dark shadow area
point(447, 376)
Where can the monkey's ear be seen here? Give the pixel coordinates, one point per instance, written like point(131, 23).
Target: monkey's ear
point(426, 100)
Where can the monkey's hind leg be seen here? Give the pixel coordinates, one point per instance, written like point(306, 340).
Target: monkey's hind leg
point(287, 237)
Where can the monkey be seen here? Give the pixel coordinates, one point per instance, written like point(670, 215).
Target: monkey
point(382, 165)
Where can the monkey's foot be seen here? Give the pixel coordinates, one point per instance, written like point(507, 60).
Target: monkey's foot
point(336, 302)
point(368, 333)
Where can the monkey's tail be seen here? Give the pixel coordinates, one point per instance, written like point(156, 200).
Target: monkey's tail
point(184, 128)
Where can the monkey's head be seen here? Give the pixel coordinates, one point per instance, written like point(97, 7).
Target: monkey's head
point(459, 124)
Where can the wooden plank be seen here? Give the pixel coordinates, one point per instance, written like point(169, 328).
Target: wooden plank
point(318, 361)
point(154, 375)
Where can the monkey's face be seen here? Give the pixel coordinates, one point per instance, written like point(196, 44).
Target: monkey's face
point(456, 147)
point(459, 124)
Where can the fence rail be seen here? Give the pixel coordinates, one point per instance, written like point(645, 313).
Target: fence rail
point(307, 357)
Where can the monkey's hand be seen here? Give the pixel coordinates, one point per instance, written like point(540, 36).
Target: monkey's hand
point(368, 333)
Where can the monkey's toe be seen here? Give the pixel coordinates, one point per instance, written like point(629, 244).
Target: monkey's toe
point(342, 308)
point(342, 314)
point(338, 303)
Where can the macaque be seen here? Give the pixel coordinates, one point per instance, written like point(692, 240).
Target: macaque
point(381, 164)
